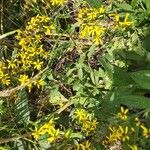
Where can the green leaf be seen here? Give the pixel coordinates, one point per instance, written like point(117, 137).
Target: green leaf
point(80, 73)
point(94, 3)
point(142, 78)
point(121, 77)
point(108, 68)
point(91, 51)
point(146, 43)
point(135, 101)
point(147, 2)
point(125, 7)
point(22, 108)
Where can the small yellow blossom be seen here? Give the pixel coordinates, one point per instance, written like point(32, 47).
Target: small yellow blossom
point(23, 79)
point(124, 133)
point(49, 29)
point(123, 113)
point(54, 135)
point(122, 24)
point(85, 146)
point(57, 2)
point(11, 64)
point(137, 122)
point(38, 64)
point(81, 114)
point(5, 79)
point(146, 131)
point(36, 134)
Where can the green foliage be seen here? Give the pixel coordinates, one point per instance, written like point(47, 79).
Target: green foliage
point(67, 71)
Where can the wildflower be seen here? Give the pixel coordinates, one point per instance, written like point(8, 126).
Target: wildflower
point(89, 126)
point(81, 114)
point(49, 29)
point(23, 79)
point(54, 135)
point(133, 147)
point(38, 64)
point(84, 146)
point(123, 113)
point(5, 79)
point(39, 83)
point(146, 131)
point(114, 136)
point(137, 122)
point(57, 2)
point(36, 134)
point(122, 24)
point(124, 133)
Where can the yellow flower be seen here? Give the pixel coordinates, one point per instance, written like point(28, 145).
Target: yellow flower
point(124, 133)
point(54, 135)
point(146, 131)
point(11, 64)
point(38, 64)
point(133, 147)
point(114, 136)
point(49, 29)
point(123, 113)
point(5, 80)
point(89, 126)
point(57, 2)
point(23, 79)
point(137, 122)
point(123, 25)
point(36, 134)
point(39, 83)
point(81, 114)
point(84, 146)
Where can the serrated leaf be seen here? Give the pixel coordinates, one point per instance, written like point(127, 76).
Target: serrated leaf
point(142, 78)
point(22, 108)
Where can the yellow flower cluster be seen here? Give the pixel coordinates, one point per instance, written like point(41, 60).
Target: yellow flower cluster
point(89, 14)
point(93, 23)
point(31, 55)
point(25, 81)
point(4, 77)
point(88, 123)
point(94, 31)
point(122, 24)
point(117, 134)
point(49, 129)
point(89, 27)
